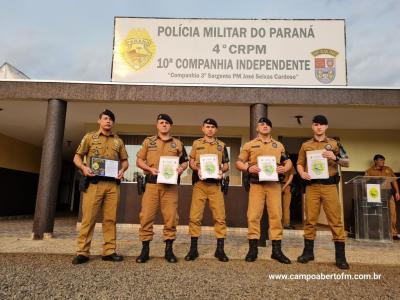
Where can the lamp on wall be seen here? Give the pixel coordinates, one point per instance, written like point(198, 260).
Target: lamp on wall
point(298, 118)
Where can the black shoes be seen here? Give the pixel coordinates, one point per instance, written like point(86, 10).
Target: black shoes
point(396, 238)
point(144, 254)
point(290, 226)
point(253, 251)
point(80, 259)
point(308, 252)
point(340, 256)
point(193, 253)
point(277, 253)
point(219, 252)
point(113, 257)
point(169, 253)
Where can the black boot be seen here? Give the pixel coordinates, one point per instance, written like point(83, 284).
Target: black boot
point(169, 253)
point(144, 255)
point(277, 253)
point(253, 251)
point(219, 252)
point(340, 256)
point(308, 252)
point(193, 253)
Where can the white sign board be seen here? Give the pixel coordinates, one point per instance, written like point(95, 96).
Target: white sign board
point(229, 52)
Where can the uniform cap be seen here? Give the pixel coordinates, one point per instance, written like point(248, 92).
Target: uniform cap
point(108, 113)
point(265, 120)
point(320, 119)
point(165, 117)
point(210, 122)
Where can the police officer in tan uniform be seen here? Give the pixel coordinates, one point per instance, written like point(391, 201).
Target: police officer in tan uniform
point(379, 169)
point(264, 193)
point(287, 198)
point(208, 189)
point(156, 194)
point(101, 191)
point(323, 191)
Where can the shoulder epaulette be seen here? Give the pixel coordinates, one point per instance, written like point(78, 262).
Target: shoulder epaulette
point(219, 142)
point(93, 134)
point(309, 141)
point(152, 138)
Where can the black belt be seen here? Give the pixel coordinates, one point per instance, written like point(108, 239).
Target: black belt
point(97, 179)
point(151, 178)
point(331, 180)
point(212, 180)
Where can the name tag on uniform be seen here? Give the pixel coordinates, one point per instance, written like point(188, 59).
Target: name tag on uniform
point(104, 167)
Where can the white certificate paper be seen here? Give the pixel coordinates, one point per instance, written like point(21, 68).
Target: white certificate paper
point(317, 165)
point(374, 193)
point(167, 170)
point(209, 166)
point(111, 168)
point(267, 164)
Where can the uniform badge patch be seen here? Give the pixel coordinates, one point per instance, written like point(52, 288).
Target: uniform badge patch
point(328, 147)
point(173, 145)
point(219, 148)
point(274, 145)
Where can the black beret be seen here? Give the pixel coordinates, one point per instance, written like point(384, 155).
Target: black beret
point(210, 122)
point(165, 117)
point(265, 120)
point(108, 113)
point(379, 156)
point(320, 119)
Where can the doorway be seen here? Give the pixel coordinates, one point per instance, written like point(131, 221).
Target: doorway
point(292, 146)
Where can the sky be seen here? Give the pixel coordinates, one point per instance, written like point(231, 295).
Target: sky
point(73, 39)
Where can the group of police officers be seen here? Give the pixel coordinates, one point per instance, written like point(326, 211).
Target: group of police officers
point(104, 191)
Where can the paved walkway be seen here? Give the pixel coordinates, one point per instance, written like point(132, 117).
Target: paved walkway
point(15, 237)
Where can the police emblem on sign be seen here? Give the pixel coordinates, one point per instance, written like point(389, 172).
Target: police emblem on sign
point(137, 49)
point(325, 65)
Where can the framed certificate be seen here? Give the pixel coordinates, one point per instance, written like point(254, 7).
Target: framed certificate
point(267, 164)
point(167, 170)
point(104, 167)
point(317, 165)
point(209, 166)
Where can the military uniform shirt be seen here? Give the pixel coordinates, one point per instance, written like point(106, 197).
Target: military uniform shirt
point(201, 146)
point(96, 144)
point(153, 147)
point(311, 145)
point(385, 171)
point(251, 150)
